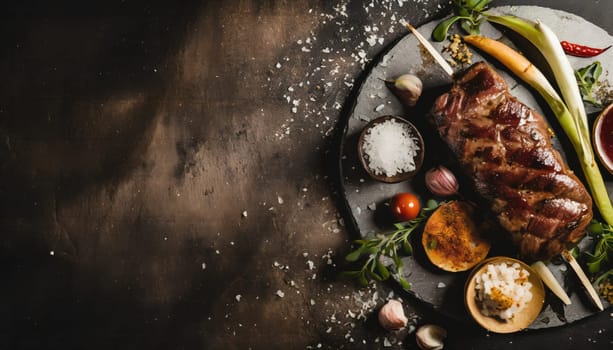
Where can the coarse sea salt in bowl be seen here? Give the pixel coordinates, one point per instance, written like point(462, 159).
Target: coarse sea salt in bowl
point(504, 295)
point(390, 149)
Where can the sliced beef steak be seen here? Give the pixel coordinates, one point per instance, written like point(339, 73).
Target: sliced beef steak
point(505, 147)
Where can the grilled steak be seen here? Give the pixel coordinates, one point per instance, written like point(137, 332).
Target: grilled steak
point(505, 147)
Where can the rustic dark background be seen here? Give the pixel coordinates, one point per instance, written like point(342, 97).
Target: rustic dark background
point(168, 176)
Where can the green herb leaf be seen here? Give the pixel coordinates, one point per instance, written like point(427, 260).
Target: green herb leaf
point(481, 5)
point(350, 274)
point(363, 280)
point(595, 264)
point(599, 260)
point(355, 255)
point(407, 247)
point(404, 283)
point(441, 29)
point(383, 271)
point(469, 12)
point(587, 79)
point(386, 244)
point(595, 228)
point(603, 277)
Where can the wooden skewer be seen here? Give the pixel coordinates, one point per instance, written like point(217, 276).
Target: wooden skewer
point(437, 57)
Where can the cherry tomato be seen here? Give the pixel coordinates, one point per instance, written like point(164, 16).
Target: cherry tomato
point(405, 206)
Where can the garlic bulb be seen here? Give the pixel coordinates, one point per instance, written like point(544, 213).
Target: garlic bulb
point(407, 88)
point(391, 316)
point(430, 337)
point(441, 181)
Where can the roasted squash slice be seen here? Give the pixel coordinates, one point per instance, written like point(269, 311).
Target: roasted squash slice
point(452, 238)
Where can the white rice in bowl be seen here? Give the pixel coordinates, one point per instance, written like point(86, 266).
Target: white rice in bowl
point(502, 290)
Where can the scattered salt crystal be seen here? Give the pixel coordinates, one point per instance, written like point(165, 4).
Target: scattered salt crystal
point(52, 253)
point(386, 342)
point(279, 200)
point(441, 285)
point(244, 213)
point(372, 40)
point(372, 206)
point(379, 108)
point(238, 297)
point(204, 266)
point(280, 293)
point(278, 65)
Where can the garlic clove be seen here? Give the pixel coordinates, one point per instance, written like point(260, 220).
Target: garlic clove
point(430, 337)
point(407, 88)
point(441, 181)
point(392, 317)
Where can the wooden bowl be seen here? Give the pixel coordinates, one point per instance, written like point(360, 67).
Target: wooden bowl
point(419, 158)
point(522, 319)
point(602, 137)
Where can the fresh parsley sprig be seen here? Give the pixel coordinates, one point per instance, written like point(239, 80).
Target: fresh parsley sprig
point(386, 245)
point(600, 260)
point(468, 12)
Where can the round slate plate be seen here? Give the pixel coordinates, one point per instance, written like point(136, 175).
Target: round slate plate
point(367, 199)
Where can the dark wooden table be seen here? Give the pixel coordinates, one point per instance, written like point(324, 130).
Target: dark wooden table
point(169, 177)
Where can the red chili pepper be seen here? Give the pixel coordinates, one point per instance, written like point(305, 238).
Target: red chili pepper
point(581, 50)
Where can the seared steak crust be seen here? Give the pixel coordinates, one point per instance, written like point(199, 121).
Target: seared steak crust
point(505, 147)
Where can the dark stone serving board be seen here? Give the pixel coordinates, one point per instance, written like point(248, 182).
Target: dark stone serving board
point(367, 199)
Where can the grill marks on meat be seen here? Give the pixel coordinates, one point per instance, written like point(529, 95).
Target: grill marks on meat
point(505, 147)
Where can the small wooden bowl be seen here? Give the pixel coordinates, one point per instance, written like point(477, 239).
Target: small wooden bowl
point(604, 119)
point(522, 319)
point(419, 158)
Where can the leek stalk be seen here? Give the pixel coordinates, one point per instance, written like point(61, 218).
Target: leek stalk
point(575, 126)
